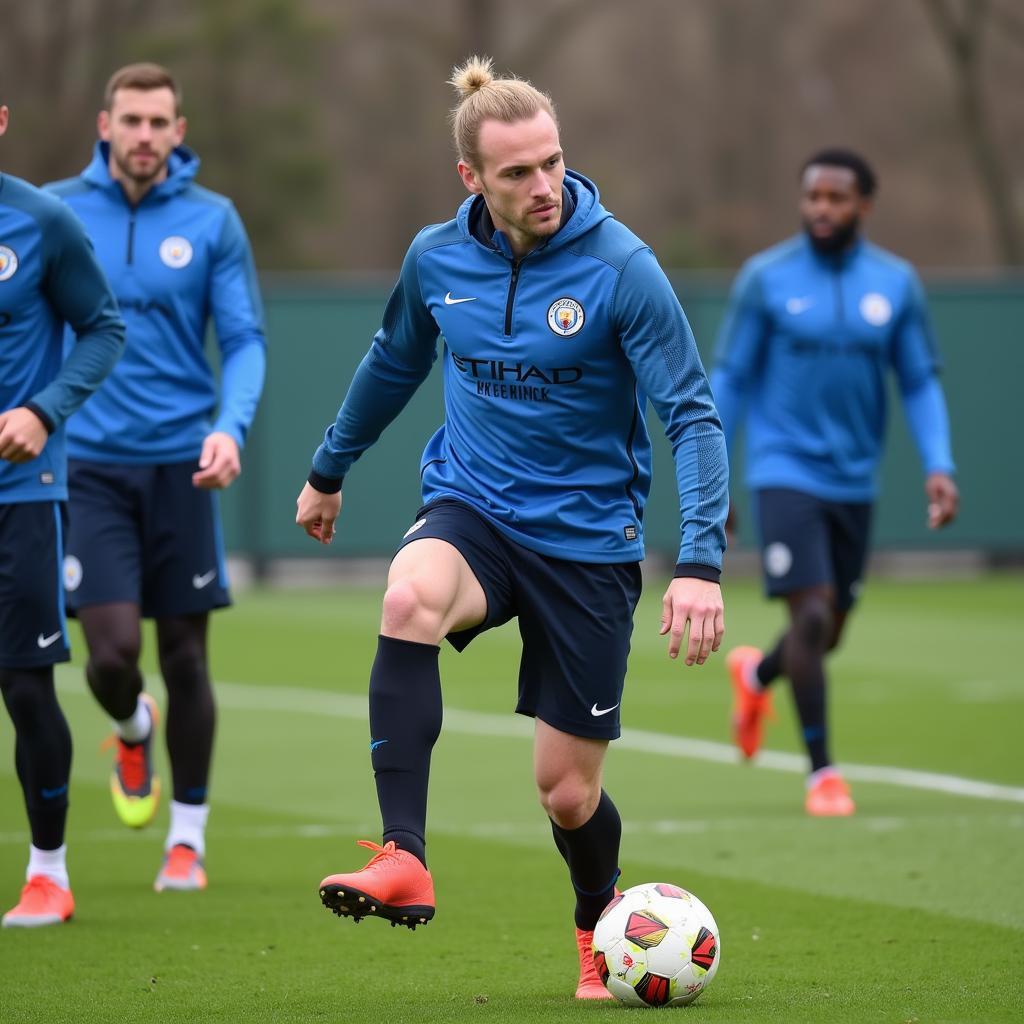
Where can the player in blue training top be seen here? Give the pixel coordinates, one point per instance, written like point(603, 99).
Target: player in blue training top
point(558, 327)
point(48, 277)
point(158, 441)
point(813, 327)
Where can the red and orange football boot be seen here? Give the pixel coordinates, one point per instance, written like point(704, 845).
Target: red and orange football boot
point(393, 885)
point(182, 870)
point(828, 795)
point(42, 902)
point(749, 707)
point(591, 984)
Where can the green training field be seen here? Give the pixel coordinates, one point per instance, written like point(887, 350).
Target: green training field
point(911, 911)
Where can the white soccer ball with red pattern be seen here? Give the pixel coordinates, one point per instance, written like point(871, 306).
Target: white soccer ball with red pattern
point(656, 945)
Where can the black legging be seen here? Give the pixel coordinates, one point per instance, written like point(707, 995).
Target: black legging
point(42, 750)
point(114, 636)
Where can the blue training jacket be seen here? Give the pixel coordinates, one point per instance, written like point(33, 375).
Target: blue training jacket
point(177, 258)
point(803, 355)
point(549, 361)
point(48, 277)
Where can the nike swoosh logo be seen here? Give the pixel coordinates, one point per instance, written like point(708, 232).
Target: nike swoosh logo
point(49, 794)
point(797, 306)
point(48, 641)
point(205, 580)
point(598, 712)
point(377, 743)
point(449, 301)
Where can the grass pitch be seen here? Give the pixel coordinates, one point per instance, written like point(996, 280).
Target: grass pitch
point(913, 910)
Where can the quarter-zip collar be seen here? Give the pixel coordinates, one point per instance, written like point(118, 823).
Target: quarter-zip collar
point(581, 211)
point(182, 167)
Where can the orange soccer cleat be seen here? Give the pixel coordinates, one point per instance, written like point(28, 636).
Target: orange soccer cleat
point(828, 796)
point(42, 902)
point(182, 870)
point(591, 985)
point(749, 707)
point(393, 885)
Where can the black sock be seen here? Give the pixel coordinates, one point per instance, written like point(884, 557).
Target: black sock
point(42, 752)
point(592, 854)
point(770, 667)
point(809, 695)
point(405, 721)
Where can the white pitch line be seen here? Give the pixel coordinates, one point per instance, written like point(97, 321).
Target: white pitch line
point(296, 700)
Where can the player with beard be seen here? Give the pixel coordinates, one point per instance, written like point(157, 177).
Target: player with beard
point(558, 326)
point(158, 441)
point(813, 326)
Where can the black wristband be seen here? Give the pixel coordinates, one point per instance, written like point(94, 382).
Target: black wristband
point(324, 484)
point(694, 570)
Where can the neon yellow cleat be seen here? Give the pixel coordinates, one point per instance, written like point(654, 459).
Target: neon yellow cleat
point(134, 787)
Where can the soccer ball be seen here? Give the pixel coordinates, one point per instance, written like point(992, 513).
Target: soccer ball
point(656, 945)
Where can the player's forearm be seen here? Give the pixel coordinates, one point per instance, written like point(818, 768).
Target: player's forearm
point(242, 374)
point(702, 472)
point(928, 419)
point(379, 391)
point(90, 360)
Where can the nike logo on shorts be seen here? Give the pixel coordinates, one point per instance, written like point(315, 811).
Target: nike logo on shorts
point(598, 712)
point(49, 641)
point(205, 580)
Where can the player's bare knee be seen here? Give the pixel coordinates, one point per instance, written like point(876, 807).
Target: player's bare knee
point(569, 801)
point(408, 612)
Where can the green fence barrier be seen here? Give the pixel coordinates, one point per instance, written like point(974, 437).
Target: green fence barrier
point(319, 332)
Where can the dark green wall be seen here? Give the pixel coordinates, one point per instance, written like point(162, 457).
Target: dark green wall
point(318, 334)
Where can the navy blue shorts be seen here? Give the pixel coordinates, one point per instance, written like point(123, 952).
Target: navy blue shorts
point(146, 535)
point(33, 632)
point(575, 618)
point(809, 542)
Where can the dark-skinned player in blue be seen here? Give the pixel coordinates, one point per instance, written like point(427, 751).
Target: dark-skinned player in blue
point(814, 327)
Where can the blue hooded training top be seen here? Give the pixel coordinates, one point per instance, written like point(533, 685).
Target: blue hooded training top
point(49, 277)
point(803, 355)
point(174, 260)
point(549, 360)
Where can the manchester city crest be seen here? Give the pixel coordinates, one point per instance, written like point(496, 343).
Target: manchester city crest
point(8, 262)
point(565, 317)
point(176, 252)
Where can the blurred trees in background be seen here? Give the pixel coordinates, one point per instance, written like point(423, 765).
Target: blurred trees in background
point(325, 120)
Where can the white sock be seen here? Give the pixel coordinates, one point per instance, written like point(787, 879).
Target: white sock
point(52, 863)
point(188, 825)
point(138, 727)
point(821, 773)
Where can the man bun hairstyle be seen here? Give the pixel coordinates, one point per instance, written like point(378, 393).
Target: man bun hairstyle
point(484, 97)
point(867, 182)
point(144, 76)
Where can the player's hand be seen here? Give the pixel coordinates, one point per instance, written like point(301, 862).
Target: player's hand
point(317, 512)
point(699, 603)
point(219, 462)
point(943, 499)
point(22, 435)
